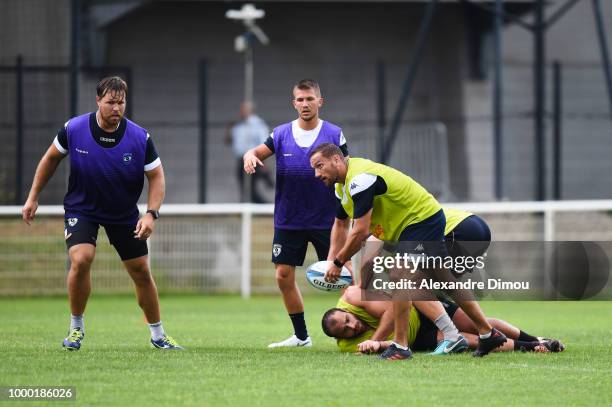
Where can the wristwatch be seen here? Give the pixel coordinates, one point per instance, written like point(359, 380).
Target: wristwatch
point(154, 213)
point(338, 263)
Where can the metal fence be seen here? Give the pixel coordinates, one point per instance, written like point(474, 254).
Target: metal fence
point(35, 105)
point(227, 248)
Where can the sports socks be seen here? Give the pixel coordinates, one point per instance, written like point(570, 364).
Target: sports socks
point(299, 325)
point(524, 336)
point(157, 331)
point(76, 322)
point(446, 326)
point(400, 346)
point(486, 336)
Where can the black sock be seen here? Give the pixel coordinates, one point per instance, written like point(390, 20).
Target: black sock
point(524, 336)
point(299, 325)
point(525, 346)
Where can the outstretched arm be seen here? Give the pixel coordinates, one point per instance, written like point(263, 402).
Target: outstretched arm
point(44, 171)
point(254, 157)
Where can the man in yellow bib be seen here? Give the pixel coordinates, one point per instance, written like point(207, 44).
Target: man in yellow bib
point(393, 207)
point(362, 326)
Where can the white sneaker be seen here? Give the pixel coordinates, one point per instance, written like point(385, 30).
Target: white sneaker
point(292, 342)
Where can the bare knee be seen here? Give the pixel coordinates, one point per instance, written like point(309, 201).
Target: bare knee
point(80, 260)
point(141, 274)
point(285, 276)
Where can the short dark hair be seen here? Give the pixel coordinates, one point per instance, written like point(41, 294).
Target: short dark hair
point(326, 320)
point(113, 84)
point(306, 84)
point(327, 150)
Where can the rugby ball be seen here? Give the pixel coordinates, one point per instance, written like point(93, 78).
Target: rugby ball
point(315, 274)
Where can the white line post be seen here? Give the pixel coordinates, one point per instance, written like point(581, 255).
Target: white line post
point(245, 275)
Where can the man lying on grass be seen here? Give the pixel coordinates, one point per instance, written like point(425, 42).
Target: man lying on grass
point(367, 326)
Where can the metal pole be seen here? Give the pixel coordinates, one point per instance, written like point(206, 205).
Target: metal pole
point(248, 72)
point(245, 272)
point(247, 180)
point(539, 73)
point(203, 129)
point(498, 100)
point(558, 126)
point(410, 75)
point(381, 106)
point(74, 56)
point(603, 46)
point(130, 81)
point(19, 133)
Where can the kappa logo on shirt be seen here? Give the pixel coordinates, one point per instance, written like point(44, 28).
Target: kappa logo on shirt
point(353, 185)
point(127, 158)
point(78, 150)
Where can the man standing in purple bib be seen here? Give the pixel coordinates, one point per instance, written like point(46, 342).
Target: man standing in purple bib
point(109, 156)
point(304, 209)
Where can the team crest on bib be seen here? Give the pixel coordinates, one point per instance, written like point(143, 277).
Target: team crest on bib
point(72, 221)
point(127, 158)
point(276, 249)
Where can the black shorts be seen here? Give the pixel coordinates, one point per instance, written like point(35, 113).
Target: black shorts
point(470, 238)
point(77, 231)
point(427, 337)
point(289, 246)
point(425, 237)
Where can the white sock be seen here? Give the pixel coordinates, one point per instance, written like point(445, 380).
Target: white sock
point(400, 346)
point(446, 326)
point(157, 331)
point(486, 336)
point(76, 321)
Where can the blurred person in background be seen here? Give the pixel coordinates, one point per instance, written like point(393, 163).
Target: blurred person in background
point(244, 135)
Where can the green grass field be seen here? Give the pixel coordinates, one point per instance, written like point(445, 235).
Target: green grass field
point(227, 362)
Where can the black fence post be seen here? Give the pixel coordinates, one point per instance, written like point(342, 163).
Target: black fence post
point(74, 56)
point(381, 111)
point(19, 133)
point(557, 130)
point(539, 74)
point(498, 100)
point(603, 47)
point(130, 81)
point(203, 74)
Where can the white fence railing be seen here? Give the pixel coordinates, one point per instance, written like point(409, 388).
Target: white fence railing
point(227, 247)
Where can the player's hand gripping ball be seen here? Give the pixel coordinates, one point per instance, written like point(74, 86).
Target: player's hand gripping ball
point(315, 274)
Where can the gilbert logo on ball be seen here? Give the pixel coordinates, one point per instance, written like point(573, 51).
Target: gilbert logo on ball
point(315, 275)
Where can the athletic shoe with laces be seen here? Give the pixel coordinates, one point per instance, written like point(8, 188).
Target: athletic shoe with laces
point(166, 342)
point(485, 346)
point(446, 346)
point(73, 340)
point(395, 353)
point(293, 341)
